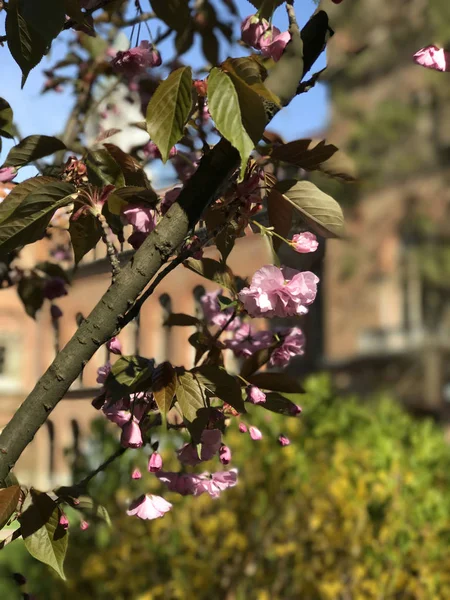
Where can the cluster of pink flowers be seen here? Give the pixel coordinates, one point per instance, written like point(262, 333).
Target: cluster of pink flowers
point(246, 340)
point(195, 485)
point(211, 442)
point(132, 62)
point(151, 150)
point(293, 344)
point(261, 35)
point(212, 312)
point(275, 292)
point(433, 57)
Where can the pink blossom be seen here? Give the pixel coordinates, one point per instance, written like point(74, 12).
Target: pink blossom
point(103, 372)
point(293, 345)
point(212, 312)
point(132, 62)
point(131, 435)
point(170, 197)
point(255, 395)
point(151, 150)
point(119, 417)
point(55, 312)
point(275, 292)
point(242, 427)
point(283, 440)
point(54, 287)
point(255, 433)
point(246, 341)
point(142, 218)
point(433, 57)
point(195, 485)
point(211, 441)
point(216, 483)
point(225, 455)
point(114, 345)
point(84, 525)
point(185, 165)
point(155, 462)
point(252, 30)
point(136, 474)
point(274, 46)
point(149, 507)
point(305, 242)
point(181, 483)
point(7, 174)
point(64, 521)
point(296, 410)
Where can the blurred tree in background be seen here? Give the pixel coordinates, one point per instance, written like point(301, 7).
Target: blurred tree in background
point(358, 506)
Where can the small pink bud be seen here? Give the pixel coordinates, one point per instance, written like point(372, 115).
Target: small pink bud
point(131, 435)
point(84, 525)
point(242, 427)
point(64, 521)
point(224, 455)
point(155, 462)
point(136, 474)
point(255, 433)
point(7, 174)
point(114, 345)
point(255, 395)
point(283, 440)
point(304, 242)
point(296, 410)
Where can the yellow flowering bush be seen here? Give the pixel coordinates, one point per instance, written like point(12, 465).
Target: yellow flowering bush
point(356, 507)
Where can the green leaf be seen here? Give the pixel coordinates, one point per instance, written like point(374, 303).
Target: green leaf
point(280, 213)
point(225, 239)
point(43, 536)
point(85, 234)
point(256, 361)
point(119, 198)
point(103, 170)
point(30, 290)
point(164, 385)
point(32, 148)
point(9, 498)
point(250, 70)
point(6, 119)
point(190, 396)
point(267, 6)
point(210, 46)
point(181, 320)
point(279, 382)
point(129, 374)
point(312, 155)
point(184, 39)
point(278, 403)
point(211, 269)
point(24, 220)
point(237, 111)
point(27, 47)
point(53, 270)
point(221, 385)
point(45, 17)
point(318, 210)
point(132, 171)
point(174, 13)
point(169, 109)
point(20, 192)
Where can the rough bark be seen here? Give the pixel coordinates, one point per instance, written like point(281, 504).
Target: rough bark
point(210, 179)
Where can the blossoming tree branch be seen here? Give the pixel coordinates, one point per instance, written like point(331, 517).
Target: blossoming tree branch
point(98, 189)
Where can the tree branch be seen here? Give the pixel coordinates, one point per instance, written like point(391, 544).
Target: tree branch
point(209, 181)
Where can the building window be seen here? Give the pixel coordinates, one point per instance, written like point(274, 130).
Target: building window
point(10, 362)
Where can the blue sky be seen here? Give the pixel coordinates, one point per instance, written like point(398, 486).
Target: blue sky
point(46, 114)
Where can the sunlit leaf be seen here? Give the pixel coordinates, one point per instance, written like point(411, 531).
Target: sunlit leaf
point(169, 109)
point(318, 210)
point(43, 536)
point(9, 498)
point(190, 396)
point(164, 385)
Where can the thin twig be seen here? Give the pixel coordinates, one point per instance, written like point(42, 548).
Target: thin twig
point(110, 248)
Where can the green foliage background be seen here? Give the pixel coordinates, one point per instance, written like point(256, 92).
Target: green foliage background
point(357, 507)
